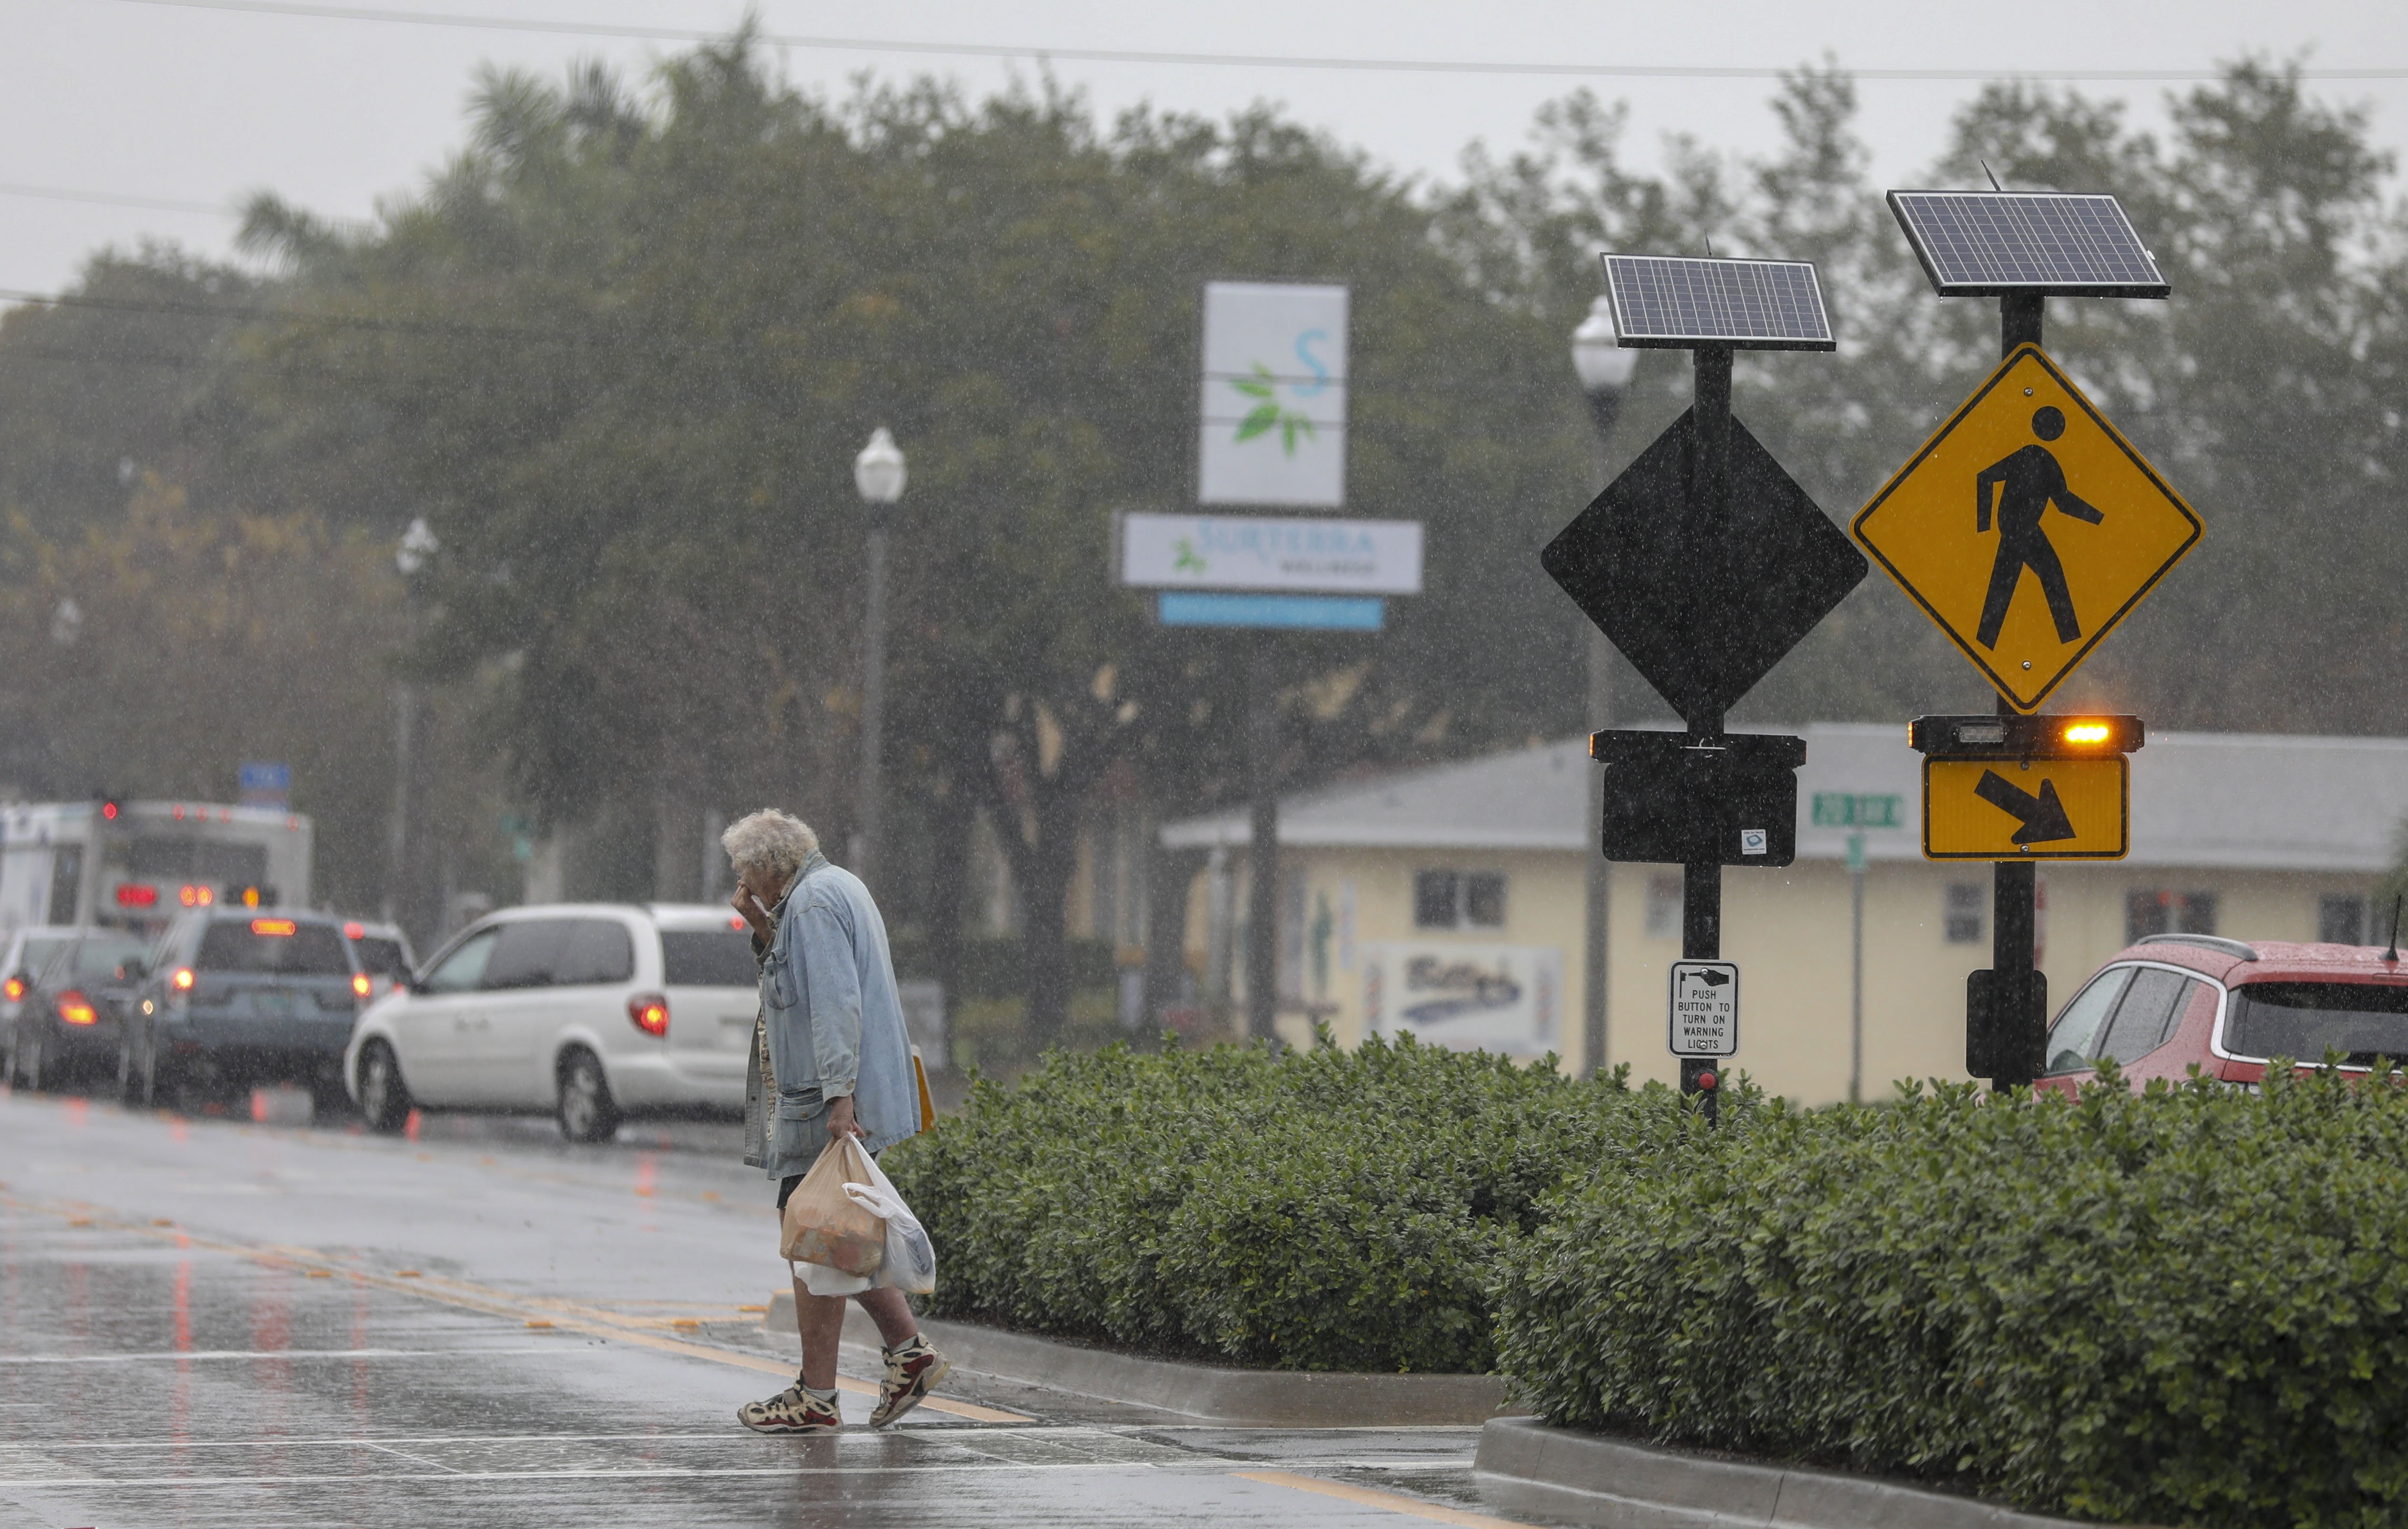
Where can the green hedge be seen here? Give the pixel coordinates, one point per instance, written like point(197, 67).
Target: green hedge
point(1312, 1210)
point(2181, 1308)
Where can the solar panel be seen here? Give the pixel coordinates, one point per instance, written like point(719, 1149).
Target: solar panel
point(1988, 244)
point(1759, 305)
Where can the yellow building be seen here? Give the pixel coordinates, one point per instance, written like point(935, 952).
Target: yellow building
point(1451, 901)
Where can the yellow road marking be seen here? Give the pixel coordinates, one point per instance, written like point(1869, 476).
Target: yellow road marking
point(571, 1316)
point(1372, 1497)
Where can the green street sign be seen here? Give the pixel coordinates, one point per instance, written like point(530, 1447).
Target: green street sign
point(1846, 809)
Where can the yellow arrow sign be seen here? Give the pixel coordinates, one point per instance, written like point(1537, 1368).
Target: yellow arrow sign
point(2026, 527)
point(2027, 809)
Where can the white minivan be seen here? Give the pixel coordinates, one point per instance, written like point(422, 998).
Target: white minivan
point(593, 1011)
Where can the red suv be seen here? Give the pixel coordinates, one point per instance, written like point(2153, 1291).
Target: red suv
point(2175, 1000)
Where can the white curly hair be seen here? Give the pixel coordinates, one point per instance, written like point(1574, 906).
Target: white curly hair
point(770, 840)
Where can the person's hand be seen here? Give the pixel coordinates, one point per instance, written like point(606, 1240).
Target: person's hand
point(841, 1121)
point(746, 904)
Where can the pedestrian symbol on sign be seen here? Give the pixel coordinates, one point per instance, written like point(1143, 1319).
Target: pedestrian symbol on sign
point(2032, 480)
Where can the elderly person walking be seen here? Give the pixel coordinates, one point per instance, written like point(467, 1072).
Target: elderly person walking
point(830, 1059)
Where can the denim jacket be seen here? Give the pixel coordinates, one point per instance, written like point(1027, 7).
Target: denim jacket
point(831, 1025)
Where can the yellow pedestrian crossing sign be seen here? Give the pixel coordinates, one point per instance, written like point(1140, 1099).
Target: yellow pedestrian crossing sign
point(2026, 527)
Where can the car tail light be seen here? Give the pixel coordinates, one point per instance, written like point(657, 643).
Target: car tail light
point(279, 928)
point(183, 979)
point(650, 1013)
point(360, 985)
point(15, 989)
point(76, 1008)
point(137, 894)
point(193, 896)
point(355, 930)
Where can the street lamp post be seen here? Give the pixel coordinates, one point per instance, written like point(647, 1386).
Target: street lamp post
point(878, 473)
point(1604, 369)
point(417, 551)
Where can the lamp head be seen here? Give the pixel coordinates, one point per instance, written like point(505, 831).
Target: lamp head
point(1598, 355)
point(878, 472)
point(418, 548)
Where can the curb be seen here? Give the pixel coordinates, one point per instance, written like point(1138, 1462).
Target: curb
point(1205, 1392)
point(1594, 1478)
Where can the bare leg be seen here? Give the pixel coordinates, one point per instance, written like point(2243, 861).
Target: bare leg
point(819, 1322)
point(891, 1310)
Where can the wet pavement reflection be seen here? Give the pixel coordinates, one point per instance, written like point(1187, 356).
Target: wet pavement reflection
point(223, 1321)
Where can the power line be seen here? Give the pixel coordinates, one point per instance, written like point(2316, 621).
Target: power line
point(1248, 61)
point(156, 204)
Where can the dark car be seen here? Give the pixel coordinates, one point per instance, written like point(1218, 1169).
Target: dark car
point(236, 997)
point(72, 1013)
point(2228, 1007)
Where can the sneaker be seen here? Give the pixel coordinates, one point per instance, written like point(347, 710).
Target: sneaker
point(793, 1410)
point(912, 1371)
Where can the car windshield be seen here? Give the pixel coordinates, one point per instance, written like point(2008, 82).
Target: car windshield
point(283, 946)
point(97, 960)
point(709, 958)
point(36, 954)
point(2302, 1020)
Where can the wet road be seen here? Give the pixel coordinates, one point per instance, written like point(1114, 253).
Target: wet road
point(220, 1322)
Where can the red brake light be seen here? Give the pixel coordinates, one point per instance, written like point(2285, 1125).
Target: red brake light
point(196, 897)
point(76, 1008)
point(15, 989)
point(360, 985)
point(650, 1013)
point(108, 811)
point(355, 930)
point(137, 894)
point(280, 928)
point(183, 979)
point(735, 921)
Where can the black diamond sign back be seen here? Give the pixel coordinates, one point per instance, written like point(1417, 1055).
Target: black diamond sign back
point(1703, 616)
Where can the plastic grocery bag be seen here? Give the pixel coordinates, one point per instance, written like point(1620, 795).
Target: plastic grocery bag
point(910, 1262)
point(823, 1227)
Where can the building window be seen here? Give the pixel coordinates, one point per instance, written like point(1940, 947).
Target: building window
point(1962, 912)
point(1458, 899)
point(2147, 913)
point(2342, 921)
point(1664, 906)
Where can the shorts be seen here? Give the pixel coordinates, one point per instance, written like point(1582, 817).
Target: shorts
point(786, 1185)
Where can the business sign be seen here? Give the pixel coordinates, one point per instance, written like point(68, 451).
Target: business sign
point(1704, 1017)
point(1274, 398)
point(1502, 998)
point(265, 784)
point(1273, 613)
point(1271, 552)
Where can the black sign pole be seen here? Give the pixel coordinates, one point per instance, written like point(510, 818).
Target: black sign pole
point(1702, 880)
point(2018, 994)
point(1262, 891)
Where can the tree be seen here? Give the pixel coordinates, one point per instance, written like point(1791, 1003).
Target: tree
point(623, 359)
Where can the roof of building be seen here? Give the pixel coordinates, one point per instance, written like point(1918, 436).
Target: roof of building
point(2199, 799)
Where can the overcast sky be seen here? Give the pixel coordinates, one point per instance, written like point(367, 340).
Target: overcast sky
point(197, 103)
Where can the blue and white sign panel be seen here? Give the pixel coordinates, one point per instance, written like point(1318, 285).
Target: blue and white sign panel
point(1289, 612)
point(1275, 397)
point(1271, 552)
point(265, 784)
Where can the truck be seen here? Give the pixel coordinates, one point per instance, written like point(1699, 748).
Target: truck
point(136, 864)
